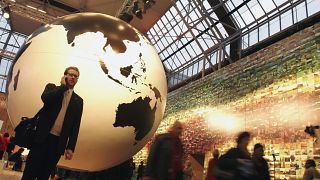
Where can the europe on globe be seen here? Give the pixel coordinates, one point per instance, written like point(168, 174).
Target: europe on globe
point(122, 83)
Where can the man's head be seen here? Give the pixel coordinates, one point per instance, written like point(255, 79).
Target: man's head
point(258, 150)
point(310, 163)
point(215, 153)
point(6, 135)
point(72, 74)
point(243, 139)
point(188, 163)
point(176, 128)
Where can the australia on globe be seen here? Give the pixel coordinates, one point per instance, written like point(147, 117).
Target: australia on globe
point(122, 83)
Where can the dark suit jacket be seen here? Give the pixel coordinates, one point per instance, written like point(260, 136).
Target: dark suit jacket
point(52, 98)
point(160, 157)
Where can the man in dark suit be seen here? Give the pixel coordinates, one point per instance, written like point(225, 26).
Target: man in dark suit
point(260, 165)
point(57, 129)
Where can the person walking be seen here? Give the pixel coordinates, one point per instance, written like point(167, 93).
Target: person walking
point(165, 157)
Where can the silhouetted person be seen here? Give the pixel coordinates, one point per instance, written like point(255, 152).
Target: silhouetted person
point(212, 165)
point(140, 171)
point(237, 160)
point(260, 165)
point(165, 157)
point(17, 159)
point(188, 171)
point(10, 146)
point(57, 128)
point(134, 172)
point(4, 141)
point(310, 173)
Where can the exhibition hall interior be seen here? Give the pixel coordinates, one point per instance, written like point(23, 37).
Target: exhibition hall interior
point(214, 67)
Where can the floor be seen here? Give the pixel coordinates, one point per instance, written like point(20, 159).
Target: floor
point(10, 175)
point(7, 174)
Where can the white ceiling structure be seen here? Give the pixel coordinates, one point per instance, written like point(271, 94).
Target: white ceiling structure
point(27, 15)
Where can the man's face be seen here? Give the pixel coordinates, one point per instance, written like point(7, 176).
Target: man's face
point(177, 129)
point(259, 152)
point(308, 164)
point(215, 153)
point(244, 142)
point(72, 77)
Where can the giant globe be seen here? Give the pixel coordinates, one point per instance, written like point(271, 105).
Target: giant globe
point(122, 83)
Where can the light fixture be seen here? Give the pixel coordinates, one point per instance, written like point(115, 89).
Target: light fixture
point(6, 12)
point(136, 10)
point(125, 16)
point(148, 4)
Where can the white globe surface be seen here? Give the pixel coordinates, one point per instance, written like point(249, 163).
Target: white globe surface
point(122, 83)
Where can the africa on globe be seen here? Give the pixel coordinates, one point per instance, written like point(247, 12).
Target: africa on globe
point(122, 83)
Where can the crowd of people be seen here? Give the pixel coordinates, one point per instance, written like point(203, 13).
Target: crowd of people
point(238, 163)
point(167, 161)
point(166, 157)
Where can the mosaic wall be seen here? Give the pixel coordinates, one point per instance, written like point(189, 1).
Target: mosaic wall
point(273, 93)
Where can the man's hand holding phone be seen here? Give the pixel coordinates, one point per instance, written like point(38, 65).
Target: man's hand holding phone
point(63, 80)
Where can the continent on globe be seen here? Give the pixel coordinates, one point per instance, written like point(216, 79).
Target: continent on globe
point(83, 23)
point(115, 38)
point(126, 71)
point(15, 81)
point(138, 114)
point(42, 29)
point(106, 71)
point(16, 77)
point(156, 92)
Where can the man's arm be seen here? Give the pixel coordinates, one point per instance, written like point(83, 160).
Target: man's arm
point(52, 92)
point(75, 128)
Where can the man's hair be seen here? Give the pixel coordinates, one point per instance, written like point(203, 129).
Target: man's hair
point(311, 162)
point(71, 67)
point(216, 153)
point(242, 135)
point(175, 125)
point(257, 146)
point(6, 135)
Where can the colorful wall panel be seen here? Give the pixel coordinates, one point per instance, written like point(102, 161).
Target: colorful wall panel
point(273, 93)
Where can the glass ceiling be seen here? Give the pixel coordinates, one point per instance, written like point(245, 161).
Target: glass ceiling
point(10, 43)
point(196, 35)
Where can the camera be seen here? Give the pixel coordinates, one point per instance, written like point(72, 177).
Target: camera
point(311, 130)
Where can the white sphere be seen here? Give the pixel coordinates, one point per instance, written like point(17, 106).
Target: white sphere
point(122, 83)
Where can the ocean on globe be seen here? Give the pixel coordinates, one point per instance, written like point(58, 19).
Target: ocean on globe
point(122, 83)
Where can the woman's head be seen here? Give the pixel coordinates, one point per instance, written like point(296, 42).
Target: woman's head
point(243, 139)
